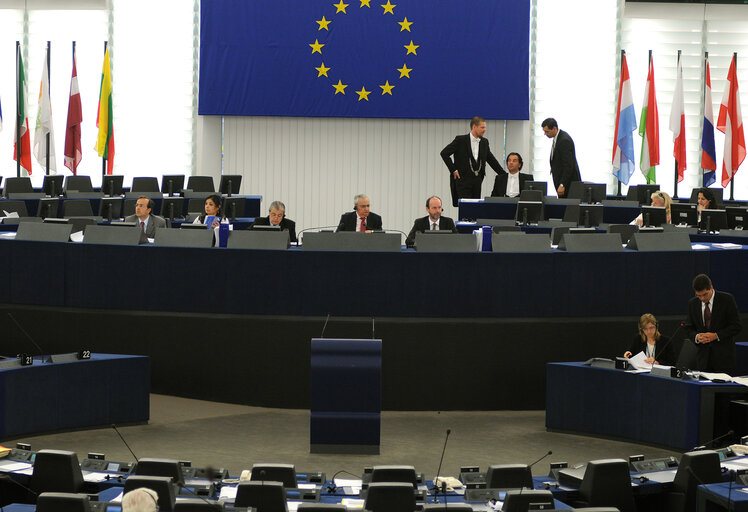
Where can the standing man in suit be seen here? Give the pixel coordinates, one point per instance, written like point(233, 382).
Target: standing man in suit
point(361, 218)
point(148, 223)
point(564, 166)
point(467, 169)
point(277, 217)
point(510, 183)
point(713, 323)
point(434, 221)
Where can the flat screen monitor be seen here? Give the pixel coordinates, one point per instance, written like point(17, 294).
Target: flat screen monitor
point(230, 184)
point(172, 183)
point(112, 185)
point(642, 193)
point(654, 216)
point(110, 208)
point(737, 217)
point(172, 207)
point(713, 220)
point(684, 214)
point(233, 207)
point(536, 185)
point(529, 212)
point(590, 215)
point(590, 193)
point(52, 185)
point(278, 228)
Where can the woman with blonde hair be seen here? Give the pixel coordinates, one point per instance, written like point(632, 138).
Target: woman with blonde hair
point(660, 199)
point(649, 340)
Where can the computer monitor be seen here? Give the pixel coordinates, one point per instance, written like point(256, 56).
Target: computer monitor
point(112, 185)
point(590, 215)
point(520, 501)
point(536, 185)
point(654, 216)
point(684, 214)
point(234, 207)
point(230, 184)
point(52, 185)
point(589, 193)
point(172, 183)
point(172, 207)
point(110, 208)
point(642, 193)
point(737, 217)
point(283, 473)
point(713, 220)
point(529, 212)
point(278, 228)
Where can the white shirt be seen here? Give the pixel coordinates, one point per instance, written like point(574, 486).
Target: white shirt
point(553, 145)
point(474, 145)
point(512, 184)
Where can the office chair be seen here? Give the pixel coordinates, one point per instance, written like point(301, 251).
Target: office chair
point(625, 230)
point(321, 507)
point(18, 186)
point(150, 466)
point(201, 184)
point(283, 473)
point(607, 483)
point(531, 195)
point(394, 473)
point(196, 205)
point(264, 496)
point(14, 206)
point(77, 208)
point(390, 497)
point(449, 507)
point(198, 505)
point(63, 502)
point(695, 468)
point(78, 184)
point(56, 471)
point(509, 476)
point(145, 184)
point(162, 485)
point(520, 500)
point(128, 207)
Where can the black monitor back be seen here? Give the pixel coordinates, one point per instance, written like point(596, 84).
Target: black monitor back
point(76, 208)
point(111, 207)
point(162, 485)
point(445, 241)
point(111, 185)
point(590, 215)
point(642, 193)
point(44, 232)
point(166, 237)
point(586, 192)
point(63, 502)
point(528, 212)
point(230, 184)
point(654, 216)
point(151, 466)
point(684, 214)
point(737, 217)
point(52, 185)
point(234, 207)
point(536, 185)
point(172, 183)
point(201, 184)
point(283, 473)
point(713, 220)
point(259, 239)
point(172, 207)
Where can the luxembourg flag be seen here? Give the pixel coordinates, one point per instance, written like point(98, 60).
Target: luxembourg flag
point(623, 141)
point(678, 123)
point(708, 153)
point(730, 123)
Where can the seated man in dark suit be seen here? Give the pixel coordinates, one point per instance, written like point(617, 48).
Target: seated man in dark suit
point(434, 221)
point(277, 217)
point(510, 183)
point(361, 218)
point(148, 223)
point(713, 323)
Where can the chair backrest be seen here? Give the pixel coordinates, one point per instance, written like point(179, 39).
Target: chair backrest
point(78, 183)
point(450, 507)
point(56, 471)
point(509, 476)
point(77, 208)
point(196, 204)
point(321, 507)
point(14, 206)
point(201, 184)
point(128, 207)
point(696, 468)
point(145, 184)
point(390, 497)
point(531, 195)
point(394, 473)
point(607, 482)
point(625, 230)
point(264, 496)
point(162, 485)
point(18, 186)
point(152, 466)
point(283, 473)
point(198, 505)
point(63, 502)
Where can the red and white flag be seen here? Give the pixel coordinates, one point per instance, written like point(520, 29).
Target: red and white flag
point(678, 123)
point(730, 122)
point(73, 154)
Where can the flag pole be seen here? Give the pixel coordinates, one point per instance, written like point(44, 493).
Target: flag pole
point(49, 83)
point(732, 178)
point(18, 113)
point(675, 179)
point(103, 159)
point(620, 70)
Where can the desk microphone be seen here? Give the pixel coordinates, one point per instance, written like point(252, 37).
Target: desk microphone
point(436, 480)
point(550, 452)
point(41, 352)
point(681, 326)
point(125, 442)
point(298, 236)
point(332, 487)
point(325, 326)
point(703, 447)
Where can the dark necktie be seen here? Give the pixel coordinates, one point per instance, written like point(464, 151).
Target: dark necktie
point(363, 224)
point(142, 226)
point(707, 316)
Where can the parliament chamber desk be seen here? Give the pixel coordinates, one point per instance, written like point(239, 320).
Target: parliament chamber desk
point(715, 498)
point(471, 209)
point(45, 397)
point(678, 414)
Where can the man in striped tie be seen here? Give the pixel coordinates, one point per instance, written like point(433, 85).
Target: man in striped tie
point(434, 221)
point(361, 218)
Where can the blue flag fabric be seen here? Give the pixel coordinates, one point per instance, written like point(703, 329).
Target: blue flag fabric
point(442, 59)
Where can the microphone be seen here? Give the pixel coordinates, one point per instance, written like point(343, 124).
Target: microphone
point(436, 484)
point(681, 326)
point(372, 328)
point(125, 442)
point(298, 236)
point(41, 352)
point(703, 447)
point(550, 452)
point(332, 487)
point(325, 326)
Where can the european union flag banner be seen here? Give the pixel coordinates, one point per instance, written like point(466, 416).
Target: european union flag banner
point(442, 59)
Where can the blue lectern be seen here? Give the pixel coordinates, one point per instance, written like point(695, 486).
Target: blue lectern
point(346, 396)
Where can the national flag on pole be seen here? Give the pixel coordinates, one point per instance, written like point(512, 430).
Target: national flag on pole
point(649, 129)
point(22, 117)
point(708, 153)
point(1, 116)
point(73, 154)
point(730, 123)
point(678, 122)
point(623, 141)
point(104, 119)
point(44, 123)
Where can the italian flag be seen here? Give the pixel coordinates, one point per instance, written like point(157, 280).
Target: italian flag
point(104, 119)
point(22, 118)
point(649, 129)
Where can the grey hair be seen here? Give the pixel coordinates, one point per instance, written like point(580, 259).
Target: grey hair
point(141, 499)
point(277, 205)
point(359, 197)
